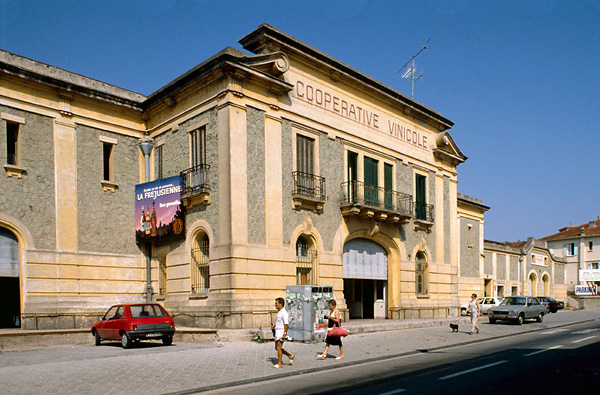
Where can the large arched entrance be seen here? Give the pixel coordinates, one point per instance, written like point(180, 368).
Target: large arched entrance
point(365, 278)
point(532, 284)
point(10, 295)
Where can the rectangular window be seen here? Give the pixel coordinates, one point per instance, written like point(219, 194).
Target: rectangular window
point(420, 196)
point(198, 146)
point(352, 176)
point(107, 154)
point(570, 249)
point(593, 265)
point(371, 181)
point(12, 143)
point(305, 150)
point(590, 246)
point(159, 162)
point(388, 185)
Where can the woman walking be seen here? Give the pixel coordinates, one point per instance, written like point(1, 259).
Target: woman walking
point(474, 311)
point(334, 318)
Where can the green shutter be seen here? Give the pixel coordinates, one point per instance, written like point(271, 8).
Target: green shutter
point(388, 185)
point(371, 190)
point(420, 199)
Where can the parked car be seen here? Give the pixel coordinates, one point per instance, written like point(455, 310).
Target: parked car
point(552, 304)
point(134, 322)
point(518, 309)
point(484, 303)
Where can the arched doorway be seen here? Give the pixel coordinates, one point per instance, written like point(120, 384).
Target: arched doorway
point(532, 284)
point(10, 290)
point(365, 278)
point(545, 285)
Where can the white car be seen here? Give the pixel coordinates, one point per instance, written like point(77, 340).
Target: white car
point(485, 303)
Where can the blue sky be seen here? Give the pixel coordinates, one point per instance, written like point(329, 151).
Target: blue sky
point(520, 79)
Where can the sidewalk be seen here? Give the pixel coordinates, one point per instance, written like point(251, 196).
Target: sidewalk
point(21, 339)
point(185, 368)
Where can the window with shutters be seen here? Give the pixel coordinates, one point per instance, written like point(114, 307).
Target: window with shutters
point(195, 180)
point(200, 264)
point(421, 273)
point(309, 188)
point(306, 262)
point(11, 135)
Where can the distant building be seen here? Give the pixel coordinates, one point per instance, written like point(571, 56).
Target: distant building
point(295, 168)
point(523, 268)
point(579, 246)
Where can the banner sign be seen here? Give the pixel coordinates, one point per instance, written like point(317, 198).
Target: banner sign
point(589, 275)
point(159, 212)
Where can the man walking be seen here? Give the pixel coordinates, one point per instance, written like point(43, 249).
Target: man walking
point(281, 327)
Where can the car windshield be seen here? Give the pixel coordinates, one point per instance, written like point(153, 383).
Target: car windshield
point(513, 302)
point(147, 310)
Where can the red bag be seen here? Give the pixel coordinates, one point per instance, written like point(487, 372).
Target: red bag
point(337, 331)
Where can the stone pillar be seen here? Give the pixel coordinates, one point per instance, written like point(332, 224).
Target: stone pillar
point(65, 169)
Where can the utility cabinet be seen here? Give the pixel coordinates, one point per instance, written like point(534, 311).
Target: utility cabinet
point(307, 307)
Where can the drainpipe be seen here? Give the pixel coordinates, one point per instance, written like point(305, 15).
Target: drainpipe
point(146, 147)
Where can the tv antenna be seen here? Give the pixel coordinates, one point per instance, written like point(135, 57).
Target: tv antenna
point(412, 70)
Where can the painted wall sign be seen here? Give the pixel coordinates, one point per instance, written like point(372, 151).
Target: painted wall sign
point(159, 212)
point(586, 290)
point(538, 260)
point(345, 107)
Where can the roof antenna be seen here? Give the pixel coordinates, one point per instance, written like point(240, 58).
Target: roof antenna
point(411, 71)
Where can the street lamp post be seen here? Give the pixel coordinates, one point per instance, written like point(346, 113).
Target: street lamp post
point(146, 147)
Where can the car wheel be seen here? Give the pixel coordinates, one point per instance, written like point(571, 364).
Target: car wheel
point(125, 341)
point(554, 310)
point(97, 338)
point(540, 317)
point(520, 319)
point(492, 320)
point(167, 340)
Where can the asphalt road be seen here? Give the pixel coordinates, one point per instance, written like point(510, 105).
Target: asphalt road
point(564, 360)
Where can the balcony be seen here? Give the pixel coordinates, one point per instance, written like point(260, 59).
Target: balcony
point(423, 216)
point(360, 199)
point(308, 192)
point(195, 188)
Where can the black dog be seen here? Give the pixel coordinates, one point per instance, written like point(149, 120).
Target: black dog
point(454, 327)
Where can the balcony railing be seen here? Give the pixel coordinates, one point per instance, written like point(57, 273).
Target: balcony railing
point(424, 212)
point(195, 184)
point(308, 191)
point(376, 201)
point(309, 185)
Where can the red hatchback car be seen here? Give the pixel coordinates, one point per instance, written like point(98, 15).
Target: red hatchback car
point(134, 322)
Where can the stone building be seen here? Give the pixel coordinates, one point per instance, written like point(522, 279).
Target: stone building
point(295, 169)
point(523, 268)
point(471, 247)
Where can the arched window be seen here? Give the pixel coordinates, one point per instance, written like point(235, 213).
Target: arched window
point(306, 262)
point(421, 273)
point(200, 264)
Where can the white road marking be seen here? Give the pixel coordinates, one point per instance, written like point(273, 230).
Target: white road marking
point(584, 339)
point(393, 392)
point(544, 350)
point(552, 331)
point(471, 370)
point(584, 331)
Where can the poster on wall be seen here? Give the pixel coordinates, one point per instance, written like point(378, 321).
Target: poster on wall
point(159, 212)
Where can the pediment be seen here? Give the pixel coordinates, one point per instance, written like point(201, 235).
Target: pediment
point(447, 150)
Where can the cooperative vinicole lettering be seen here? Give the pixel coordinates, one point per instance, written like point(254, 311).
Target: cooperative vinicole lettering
point(347, 109)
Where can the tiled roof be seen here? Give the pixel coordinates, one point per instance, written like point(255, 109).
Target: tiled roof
point(570, 232)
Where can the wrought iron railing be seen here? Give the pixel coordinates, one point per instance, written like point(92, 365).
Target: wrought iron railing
point(200, 268)
point(424, 212)
point(306, 264)
point(162, 275)
point(195, 180)
point(309, 185)
point(361, 194)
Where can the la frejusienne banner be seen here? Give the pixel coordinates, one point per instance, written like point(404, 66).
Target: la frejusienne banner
point(159, 212)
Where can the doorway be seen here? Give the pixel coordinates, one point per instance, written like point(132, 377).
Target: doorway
point(10, 290)
point(365, 279)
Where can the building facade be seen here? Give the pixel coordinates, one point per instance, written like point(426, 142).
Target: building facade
point(295, 169)
point(523, 268)
point(579, 246)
